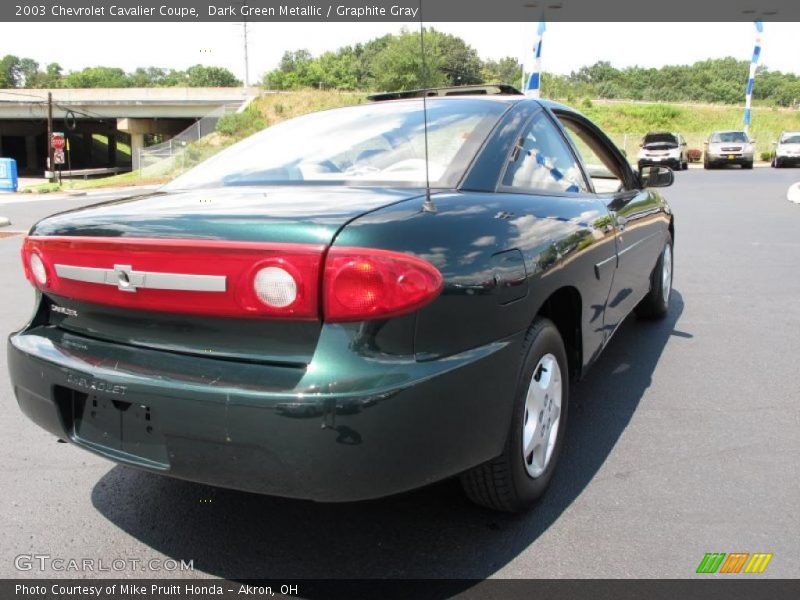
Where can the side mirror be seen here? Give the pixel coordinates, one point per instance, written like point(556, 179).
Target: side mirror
point(656, 176)
point(705, 143)
point(775, 143)
point(753, 141)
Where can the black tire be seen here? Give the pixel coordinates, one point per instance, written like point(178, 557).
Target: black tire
point(748, 165)
point(685, 165)
point(777, 163)
point(706, 164)
point(504, 483)
point(654, 305)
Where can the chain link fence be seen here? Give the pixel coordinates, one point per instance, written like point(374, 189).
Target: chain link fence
point(171, 156)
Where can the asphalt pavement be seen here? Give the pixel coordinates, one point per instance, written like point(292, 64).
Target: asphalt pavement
point(684, 439)
point(23, 210)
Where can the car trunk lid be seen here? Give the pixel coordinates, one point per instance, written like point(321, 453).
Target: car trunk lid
point(119, 271)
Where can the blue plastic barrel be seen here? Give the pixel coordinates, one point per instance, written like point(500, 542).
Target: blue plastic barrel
point(8, 175)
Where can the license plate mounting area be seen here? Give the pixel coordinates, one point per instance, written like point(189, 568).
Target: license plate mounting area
point(124, 429)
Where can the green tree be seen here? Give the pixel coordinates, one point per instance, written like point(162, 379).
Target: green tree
point(52, 77)
point(399, 66)
point(149, 77)
point(448, 61)
point(9, 71)
point(458, 61)
point(337, 69)
point(365, 57)
point(29, 75)
point(506, 70)
point(201, 76)
point(97, 77)
point(292, 72)
point(295, 62)
point(599, 72)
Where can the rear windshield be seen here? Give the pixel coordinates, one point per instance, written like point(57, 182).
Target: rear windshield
point(790, 138)
point(380, 143)
point(727, 137)
point(660, 138)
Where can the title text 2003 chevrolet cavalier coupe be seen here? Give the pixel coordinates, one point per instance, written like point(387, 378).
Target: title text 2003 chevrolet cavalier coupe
point(300, 316)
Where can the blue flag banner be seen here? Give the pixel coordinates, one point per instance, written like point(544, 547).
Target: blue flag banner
point(751, 79)
point(534, 81)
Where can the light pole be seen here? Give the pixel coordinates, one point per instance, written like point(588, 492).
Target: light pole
point(246, 53)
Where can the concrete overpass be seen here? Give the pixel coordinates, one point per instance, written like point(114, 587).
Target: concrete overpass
point(99, 123)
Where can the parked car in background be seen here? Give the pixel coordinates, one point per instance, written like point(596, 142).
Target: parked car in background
point(729, 148)
point(303, 315)
point(787, 150)
point(664, 148)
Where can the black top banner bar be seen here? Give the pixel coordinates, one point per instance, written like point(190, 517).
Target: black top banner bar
point(397, 10)
point(735, 588)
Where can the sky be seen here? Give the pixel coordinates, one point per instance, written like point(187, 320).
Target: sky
point(566, 47)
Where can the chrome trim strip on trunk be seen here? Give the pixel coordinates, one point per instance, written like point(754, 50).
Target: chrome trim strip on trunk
point(128, 280)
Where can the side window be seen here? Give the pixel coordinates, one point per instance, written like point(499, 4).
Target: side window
point(604, 170)
point(541, 160)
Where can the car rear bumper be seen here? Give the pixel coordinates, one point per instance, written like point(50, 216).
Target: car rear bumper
point(731, 159)
point(672, 163)
point(348, 427)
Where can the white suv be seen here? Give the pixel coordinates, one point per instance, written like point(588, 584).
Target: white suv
point(663, 148)
point(787, 150)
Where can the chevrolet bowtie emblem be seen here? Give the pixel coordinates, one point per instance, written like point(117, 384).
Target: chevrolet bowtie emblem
point(126, 279)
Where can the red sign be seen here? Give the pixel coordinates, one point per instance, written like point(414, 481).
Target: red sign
point(57, 141)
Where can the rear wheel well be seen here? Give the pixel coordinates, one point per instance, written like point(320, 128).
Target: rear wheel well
point(672, 229)
point(564, 309)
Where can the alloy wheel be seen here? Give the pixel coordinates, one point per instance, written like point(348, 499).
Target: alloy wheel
point(542, 415)
point(666, 273)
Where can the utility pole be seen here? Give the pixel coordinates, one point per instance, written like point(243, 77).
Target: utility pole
point(246, 57)
point(50, 157)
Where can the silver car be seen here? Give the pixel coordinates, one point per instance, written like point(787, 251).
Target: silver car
point(787, 150)
point(729, 148)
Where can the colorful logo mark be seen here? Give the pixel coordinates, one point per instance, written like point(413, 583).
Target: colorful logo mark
point(735, 562)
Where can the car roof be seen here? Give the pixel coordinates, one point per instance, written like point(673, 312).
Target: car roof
point(502, 98)
point(490, 89)
point(460, 98)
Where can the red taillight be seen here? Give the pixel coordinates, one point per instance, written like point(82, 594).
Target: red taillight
point(231, 279)
point(363, 284)
point(205, 277)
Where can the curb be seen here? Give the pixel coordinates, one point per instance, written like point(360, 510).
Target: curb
point(756, 165)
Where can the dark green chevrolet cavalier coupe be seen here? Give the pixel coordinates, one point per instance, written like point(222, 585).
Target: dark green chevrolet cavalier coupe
point(350, 304)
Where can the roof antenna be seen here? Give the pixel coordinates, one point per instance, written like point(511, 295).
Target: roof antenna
point(427, 205)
